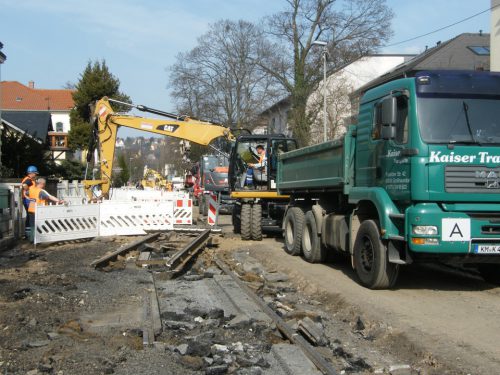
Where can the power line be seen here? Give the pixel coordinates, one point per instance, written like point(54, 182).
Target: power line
point(442, 28)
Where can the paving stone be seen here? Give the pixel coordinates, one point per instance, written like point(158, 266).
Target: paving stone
point(216, 370)
point(275, 277)
point(182, 349)
point(176, 324)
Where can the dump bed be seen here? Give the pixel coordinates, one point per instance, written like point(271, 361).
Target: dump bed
point(322, 167)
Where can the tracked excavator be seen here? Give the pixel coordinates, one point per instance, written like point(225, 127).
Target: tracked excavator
point(251, 174)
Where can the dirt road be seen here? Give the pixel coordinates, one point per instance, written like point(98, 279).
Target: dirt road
point(437, 312)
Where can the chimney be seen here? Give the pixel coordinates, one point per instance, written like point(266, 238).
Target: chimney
point(31, 84)
point(495, 36)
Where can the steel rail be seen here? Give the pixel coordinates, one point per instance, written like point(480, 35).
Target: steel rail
point(177, 262)
point(128, 247)
point(316, 358)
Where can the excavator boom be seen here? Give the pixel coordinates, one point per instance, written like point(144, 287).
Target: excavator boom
point(107, 123)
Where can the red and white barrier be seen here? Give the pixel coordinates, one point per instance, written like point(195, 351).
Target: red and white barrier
point(183, 211)
point(212, 209)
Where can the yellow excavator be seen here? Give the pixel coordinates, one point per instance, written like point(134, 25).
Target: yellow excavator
point(106, 123)
point(153, 179)
point(258, 203)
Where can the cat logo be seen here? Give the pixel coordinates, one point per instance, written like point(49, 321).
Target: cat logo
point(168, 128)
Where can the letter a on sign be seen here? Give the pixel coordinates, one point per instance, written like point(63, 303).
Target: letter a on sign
point(455, 230)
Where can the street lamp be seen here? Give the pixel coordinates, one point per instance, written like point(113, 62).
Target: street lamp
point(325, 57)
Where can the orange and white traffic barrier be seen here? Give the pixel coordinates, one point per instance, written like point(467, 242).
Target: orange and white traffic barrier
point(183, 211)
point(212, 209)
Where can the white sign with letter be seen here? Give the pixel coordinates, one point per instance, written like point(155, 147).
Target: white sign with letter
point(455, 230)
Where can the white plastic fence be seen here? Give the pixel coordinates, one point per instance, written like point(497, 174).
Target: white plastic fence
point(62, 223)
point(183, 211)
point(126, 218)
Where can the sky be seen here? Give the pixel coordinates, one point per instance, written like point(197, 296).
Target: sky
point(51, 41)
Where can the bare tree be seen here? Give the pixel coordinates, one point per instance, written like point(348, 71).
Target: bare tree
point(352, 29)
point(220, 79)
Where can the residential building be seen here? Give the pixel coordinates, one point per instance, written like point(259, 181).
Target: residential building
point(464, 52)
point(340, 84)
point(57, 103)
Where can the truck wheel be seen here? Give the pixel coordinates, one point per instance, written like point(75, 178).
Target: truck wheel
point(312, 249)
point(490, 272)
point(204, 205)
point(257, 222)
point(246, 222)
point(236, 219)
point(294, 224)
point(370, 258)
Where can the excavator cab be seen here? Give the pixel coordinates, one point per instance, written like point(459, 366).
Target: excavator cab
point(254, 160)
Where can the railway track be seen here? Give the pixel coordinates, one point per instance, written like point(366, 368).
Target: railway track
point(213, 314)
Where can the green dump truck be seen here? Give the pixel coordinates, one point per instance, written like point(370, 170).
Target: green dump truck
point(417, 179)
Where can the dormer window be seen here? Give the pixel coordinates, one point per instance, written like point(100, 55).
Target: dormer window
point(18, 99)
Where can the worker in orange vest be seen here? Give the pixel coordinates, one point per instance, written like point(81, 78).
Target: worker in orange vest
point(260, 168)
point(38, 196)
point(27, 183)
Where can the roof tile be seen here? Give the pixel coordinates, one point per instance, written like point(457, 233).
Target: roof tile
point(16, 96)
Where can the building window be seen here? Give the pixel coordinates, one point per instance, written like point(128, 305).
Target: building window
point(59, 127)
point(480, 50)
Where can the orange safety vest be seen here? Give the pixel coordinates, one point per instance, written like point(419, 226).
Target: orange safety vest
point(26, 192)
point(34, 198)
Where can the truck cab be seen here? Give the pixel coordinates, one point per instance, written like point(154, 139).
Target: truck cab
point(211, 176)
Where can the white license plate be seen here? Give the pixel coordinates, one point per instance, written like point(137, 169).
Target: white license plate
point(487, 249)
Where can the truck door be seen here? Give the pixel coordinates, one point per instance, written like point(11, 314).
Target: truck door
point(392, 156)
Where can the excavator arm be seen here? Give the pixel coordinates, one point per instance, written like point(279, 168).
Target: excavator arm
point(107, 122)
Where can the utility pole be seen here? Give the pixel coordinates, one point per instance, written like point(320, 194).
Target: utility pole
point(2, 60)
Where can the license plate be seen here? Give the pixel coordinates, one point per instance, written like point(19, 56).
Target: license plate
point(487, 249)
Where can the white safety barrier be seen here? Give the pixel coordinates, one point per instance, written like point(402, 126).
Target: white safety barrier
point(130, 218)
point(124, 194)
point(63, 223)
point(212, 209)
point(183, 211)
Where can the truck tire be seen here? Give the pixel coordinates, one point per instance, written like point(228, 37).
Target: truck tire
point(312, 249)
point(294, 225)
point(371, 260)
point(490, 272)
point(236, 219)
point(246, 222)
point(257, 222)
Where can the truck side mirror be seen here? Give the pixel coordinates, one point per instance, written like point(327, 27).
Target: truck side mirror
point(388, 132)
point(389, 111)
point(389, 108)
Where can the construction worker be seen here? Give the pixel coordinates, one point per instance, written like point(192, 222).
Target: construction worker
point(38, 196)
point(259, 169)
point(27, 183)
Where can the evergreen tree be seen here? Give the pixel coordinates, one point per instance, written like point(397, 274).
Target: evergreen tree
point(124, 174)
point(95, 82)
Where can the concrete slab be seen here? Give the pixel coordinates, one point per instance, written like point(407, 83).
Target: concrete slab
point(293, 361)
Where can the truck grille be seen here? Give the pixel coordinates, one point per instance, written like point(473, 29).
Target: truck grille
point(472, 179)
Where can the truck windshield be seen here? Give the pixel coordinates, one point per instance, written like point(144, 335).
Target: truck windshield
point(459, 120)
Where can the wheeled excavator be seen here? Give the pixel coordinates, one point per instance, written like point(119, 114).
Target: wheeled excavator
point(258, 204)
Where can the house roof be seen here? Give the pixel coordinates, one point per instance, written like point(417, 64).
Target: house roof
point(455, 54)
point(16, 96)
point(34, 123)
